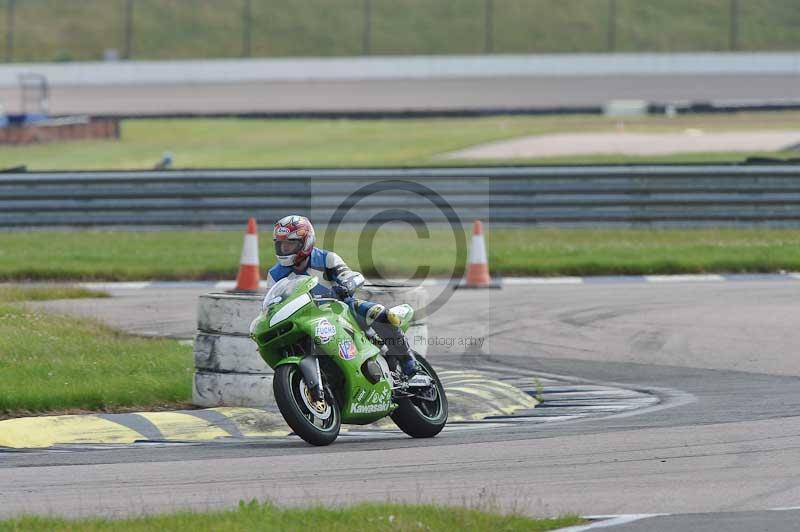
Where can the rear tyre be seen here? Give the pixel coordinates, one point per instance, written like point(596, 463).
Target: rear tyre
point(423, 418)
point(317, 426)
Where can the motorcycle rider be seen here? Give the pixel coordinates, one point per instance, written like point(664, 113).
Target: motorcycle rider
point(296, 254)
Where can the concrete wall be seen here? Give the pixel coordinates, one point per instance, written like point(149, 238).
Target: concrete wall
point(402, 67)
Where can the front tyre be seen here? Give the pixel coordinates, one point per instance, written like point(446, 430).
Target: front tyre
point(423, 417)
point(317, 424)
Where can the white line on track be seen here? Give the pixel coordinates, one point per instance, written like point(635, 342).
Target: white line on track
point(542, 280)
point(230, 285)
point(117, 286)
point(510, 281)
point(606, 521)
point(669, 397)
point(682, 278)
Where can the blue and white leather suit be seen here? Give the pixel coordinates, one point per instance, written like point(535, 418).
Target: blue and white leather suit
point(327, 266)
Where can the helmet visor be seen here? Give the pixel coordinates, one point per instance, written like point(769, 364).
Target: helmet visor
point(288, 247)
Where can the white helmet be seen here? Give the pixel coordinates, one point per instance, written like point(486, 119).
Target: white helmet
point(294, 239)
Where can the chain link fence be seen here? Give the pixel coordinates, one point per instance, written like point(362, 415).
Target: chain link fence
point(79, 30)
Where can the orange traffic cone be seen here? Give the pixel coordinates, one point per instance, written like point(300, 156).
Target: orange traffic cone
point(249, 277)
point(478, 269)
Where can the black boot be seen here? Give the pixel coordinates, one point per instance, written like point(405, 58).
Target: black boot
point(414, 378)
point(397, 345)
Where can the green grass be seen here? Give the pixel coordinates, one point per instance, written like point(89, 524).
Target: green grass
point(229, 143)
point(254, 516)
point(121, 256)
point(186, 255)
point(55, 363)
point(47, 30)
point(16, 293)
point(633, 252)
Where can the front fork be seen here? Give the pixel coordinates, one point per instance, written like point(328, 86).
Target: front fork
point(309, 368)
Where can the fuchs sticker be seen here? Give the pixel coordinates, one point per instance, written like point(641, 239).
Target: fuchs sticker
point(347, 350)
point(325, 331)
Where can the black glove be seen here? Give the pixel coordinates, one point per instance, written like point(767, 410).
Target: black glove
point(347, 284)
point(340, 291)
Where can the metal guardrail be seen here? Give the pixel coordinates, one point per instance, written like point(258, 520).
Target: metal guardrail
point(657, 196)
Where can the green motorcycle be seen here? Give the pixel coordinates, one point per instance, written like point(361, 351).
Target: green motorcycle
point(330, 367)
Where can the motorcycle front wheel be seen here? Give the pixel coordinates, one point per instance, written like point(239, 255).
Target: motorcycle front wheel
point(318, 423)
point(420, 417)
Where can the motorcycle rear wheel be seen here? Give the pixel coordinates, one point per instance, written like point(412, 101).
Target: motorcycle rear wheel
point(420, 418)
point(287, 386)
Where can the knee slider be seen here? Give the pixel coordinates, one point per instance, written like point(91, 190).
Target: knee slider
point(393, 318)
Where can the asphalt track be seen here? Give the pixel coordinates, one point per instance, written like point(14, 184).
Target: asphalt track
point(454, 94)
point(720, 452)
